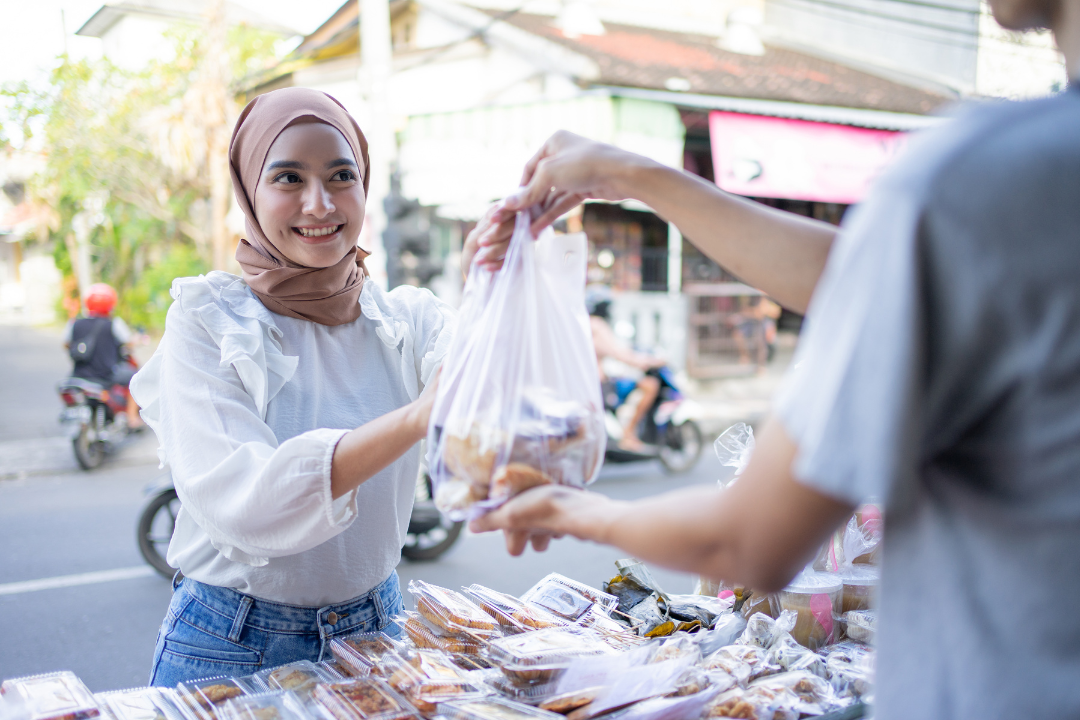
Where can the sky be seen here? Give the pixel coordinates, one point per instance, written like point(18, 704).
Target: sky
point(34, 32)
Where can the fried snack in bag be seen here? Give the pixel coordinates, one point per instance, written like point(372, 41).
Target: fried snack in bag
point(519, 402)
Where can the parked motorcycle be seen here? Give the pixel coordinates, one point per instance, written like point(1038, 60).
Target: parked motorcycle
point(668, 429)
point(430, 533)
point(96, 414)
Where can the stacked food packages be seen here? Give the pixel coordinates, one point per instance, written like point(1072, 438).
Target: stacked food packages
point(561, 650)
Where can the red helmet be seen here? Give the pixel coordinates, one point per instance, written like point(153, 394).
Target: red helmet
point(100, 299)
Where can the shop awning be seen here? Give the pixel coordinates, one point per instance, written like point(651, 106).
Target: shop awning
point(772, 157)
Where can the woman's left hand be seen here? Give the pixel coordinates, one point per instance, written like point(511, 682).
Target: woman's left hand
point(488, 241)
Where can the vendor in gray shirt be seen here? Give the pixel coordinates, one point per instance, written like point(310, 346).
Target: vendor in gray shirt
point(939, 372)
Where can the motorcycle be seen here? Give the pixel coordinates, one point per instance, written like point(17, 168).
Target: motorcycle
point(668, 429)
point(430, 533)
point(97, 414)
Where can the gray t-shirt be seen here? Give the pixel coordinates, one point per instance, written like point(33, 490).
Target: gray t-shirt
point(939, 373)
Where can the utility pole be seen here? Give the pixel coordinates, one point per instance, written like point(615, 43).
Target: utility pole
point(216, 87)
point(374, 77)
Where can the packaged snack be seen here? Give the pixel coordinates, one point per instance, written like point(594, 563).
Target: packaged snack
point(363, 651)
point(278, 705)
point(689, 707)
point(203, 697)
point(791, 656)
point(427, 696)
point(812, 695)
point(519, 400)
point(860, 625)
point(425, 635)
point(568, 598)
point(568, 702)
point(546, 647)
point(450, 610)
point(692, 681)
point(762, 631)
point(52, 696)
point(300, 677)
point(148, 703)
point(860, 587)
point(737, 703)
point(361, 699)
point(678, 646)
point(511, 612)
point(493, 708)
point(742, 662)
point(726, 630)
point(816, 598)
point(531, 674)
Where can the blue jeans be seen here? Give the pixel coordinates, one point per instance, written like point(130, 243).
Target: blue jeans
point(211, 630)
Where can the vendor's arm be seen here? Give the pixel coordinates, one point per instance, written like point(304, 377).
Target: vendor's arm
point(608, 345)
point(759, 531)
point(778, 252)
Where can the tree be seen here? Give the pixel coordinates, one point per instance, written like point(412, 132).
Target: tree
point(136, 162)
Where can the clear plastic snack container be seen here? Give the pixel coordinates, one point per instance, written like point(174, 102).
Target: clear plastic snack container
point(361, 699)
point(510, 612)
point(300, 677)
point(548, 647)
point(425, 635)
point(51, 696)
point(568, 598)
point(451, 611)
point(145, 703)
point(860, 587)
point(364, 653)
point(816, 597)
point(199, 699)
point(279, 705)
point(493, 708)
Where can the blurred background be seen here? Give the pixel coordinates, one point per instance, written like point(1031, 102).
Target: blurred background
point(115, 121)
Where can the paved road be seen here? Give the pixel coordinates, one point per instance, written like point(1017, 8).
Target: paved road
point(63, 523)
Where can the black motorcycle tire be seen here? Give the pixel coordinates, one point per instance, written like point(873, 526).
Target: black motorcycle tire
point(674, 454)
point(161, 502)
point(88, 453)
point(416, 549)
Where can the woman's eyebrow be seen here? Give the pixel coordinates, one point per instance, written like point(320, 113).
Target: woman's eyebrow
point(340, 161)
point(291, 164)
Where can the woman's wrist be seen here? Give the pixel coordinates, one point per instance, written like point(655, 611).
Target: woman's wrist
point(592, 516)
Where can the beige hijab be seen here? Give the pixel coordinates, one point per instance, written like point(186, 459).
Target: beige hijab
point(330, 295)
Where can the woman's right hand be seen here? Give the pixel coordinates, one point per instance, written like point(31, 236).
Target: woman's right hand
point(569, 169)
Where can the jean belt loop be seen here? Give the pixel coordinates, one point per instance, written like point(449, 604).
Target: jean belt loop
point(240, 619)
point(177, 579)
point(380, 607)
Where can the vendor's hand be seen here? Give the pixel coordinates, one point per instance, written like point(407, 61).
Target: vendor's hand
point(489, 240)
point(567, 170)
point(539, 514)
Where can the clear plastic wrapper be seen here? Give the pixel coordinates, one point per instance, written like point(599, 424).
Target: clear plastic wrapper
point(860, 625)
point(568, 702)
point(677, 647)
point(52, 696)
point(725, 631)
point(533, 693)
point(762, 631)
point(278, 705)
point(568, 598)
point(692, 681)
point(519, 401)
point(860, 587)
point(363, 651)
point(738, 703)
point(548, 647)
point(816, 598)
point(733, 448)
point(743, 662)
point(451, 610)
point(791, 656)
point(428, 695)
point(493, 708)
point(511, 612)
point(203, 697)
point(300, 677)
point(689, 707)
point(425, 635)
point(361, 699)
point(798, 692)
point(147, 703)
point(533, 674)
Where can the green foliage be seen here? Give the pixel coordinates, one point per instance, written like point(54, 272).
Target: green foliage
point(125, 157)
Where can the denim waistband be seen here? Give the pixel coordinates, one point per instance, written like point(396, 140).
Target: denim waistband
point(336, 619)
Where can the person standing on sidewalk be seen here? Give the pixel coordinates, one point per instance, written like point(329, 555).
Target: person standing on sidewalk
point(939, 372)
point(289, 405)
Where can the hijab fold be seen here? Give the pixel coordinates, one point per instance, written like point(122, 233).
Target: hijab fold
point(330, 295)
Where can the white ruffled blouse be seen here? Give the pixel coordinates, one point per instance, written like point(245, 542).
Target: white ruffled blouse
point(248, 407)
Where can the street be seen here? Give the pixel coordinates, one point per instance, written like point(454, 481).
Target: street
point(76, 595)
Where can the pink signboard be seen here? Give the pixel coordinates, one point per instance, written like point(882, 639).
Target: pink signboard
point(799, 160)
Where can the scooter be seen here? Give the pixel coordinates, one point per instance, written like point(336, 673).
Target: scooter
point(668, 428)
point(430, 532)
point(96, 414)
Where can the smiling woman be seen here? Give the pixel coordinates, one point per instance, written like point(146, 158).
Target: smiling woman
point(291, 527)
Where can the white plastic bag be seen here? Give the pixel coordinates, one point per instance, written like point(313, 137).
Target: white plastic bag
point(733, 448)
point(519, 400)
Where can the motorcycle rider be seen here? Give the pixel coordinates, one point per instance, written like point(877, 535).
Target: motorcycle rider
point(98, 343)
point(598, 299)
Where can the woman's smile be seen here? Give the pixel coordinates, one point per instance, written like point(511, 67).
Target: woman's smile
point(316, 234)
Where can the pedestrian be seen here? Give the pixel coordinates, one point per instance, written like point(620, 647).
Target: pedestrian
point(939, 372)
point(291, 524)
